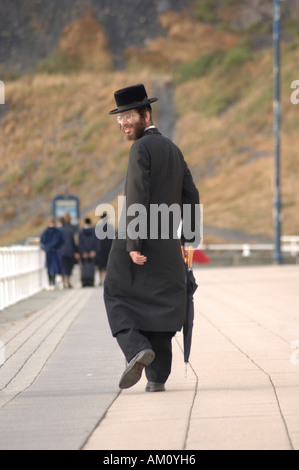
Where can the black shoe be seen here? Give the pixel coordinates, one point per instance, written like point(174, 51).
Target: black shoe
point(154, 387)
point(133, 372)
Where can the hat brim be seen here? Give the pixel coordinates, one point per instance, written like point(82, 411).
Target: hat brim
point(136, 104)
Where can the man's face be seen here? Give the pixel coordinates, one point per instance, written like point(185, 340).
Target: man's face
point(132, 124)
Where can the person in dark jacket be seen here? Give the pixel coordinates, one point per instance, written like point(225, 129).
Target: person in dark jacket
point(51, 241)
point(144, 289)
point(87, 250)
point(103, 248)
point(68, 250)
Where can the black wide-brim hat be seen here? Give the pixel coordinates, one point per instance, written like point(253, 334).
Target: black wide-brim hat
point(130, 98)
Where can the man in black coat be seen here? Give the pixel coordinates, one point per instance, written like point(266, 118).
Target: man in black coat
point(144, 289)
point(68, 250)
point(87, 250)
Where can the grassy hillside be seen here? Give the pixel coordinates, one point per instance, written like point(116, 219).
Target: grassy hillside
point(56, 133)
point(224, 97)
point(229, 117)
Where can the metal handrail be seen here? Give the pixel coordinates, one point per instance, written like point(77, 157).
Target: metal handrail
point(290, 245)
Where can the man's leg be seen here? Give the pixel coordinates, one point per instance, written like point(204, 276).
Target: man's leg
point(131, 342)
point(159, 370)
point(138, 352)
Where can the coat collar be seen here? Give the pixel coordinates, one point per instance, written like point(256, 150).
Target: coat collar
point(152, 130)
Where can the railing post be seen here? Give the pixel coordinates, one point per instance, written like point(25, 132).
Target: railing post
point(246, 250)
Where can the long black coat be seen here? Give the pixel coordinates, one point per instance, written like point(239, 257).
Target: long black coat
point(87, 240)
point(151, 297)
point(69, 247)
point(103, 249)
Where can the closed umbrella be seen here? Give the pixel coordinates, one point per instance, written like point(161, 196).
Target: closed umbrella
point(191, 288)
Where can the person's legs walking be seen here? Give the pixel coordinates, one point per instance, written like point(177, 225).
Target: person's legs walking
point(152, 350)
point(131, 342)
point(159, 370)
point(138, 352)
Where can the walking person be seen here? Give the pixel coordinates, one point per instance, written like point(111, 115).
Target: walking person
point(87, 250)
point(68, 250)
point(103, 247)
point(51, 240)
point(144, 289)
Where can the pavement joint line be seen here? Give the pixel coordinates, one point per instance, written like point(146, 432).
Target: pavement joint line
point(36, 327)
point(194, 395)
point(240, 312)
point(245, 397)
point(23, 323)
point(28, 372)
point(262, 370)
point(43, 358)
point(27, 334)
point(89, 436)
point(121, 430)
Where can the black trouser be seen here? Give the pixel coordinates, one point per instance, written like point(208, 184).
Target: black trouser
point(132, 342)
point(52, 278)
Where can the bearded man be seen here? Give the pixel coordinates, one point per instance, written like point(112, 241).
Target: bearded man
point(144, 289)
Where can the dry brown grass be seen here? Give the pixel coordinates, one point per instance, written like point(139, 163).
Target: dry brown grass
point(233, 153)
point(58, 134)
point(185, 41)
point(57, 131)
point(85, 42)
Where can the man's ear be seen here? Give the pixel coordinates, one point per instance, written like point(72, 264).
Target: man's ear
point(147, 116)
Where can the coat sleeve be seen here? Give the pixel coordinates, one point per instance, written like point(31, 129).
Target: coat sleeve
point(137, 194)
point(43, 240)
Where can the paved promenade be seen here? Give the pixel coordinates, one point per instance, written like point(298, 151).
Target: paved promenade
point(59, 382)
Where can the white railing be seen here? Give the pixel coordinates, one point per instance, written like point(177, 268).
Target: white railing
point(289, 244)
point(22, 273)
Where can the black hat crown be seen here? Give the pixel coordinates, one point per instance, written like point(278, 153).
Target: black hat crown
point(130, 98)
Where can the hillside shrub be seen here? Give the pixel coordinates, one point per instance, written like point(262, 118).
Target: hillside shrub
point(206, 10)
point(237, 56)
point(59, 62)
point(197, 68)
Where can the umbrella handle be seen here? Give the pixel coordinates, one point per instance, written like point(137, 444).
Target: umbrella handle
point(190, 256)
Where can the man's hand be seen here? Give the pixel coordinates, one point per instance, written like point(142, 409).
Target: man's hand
point(137, 257)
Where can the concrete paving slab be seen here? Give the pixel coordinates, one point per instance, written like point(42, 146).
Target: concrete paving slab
point(140, 420)
point(237, 433)
point(64, 386)
point(243, 390)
